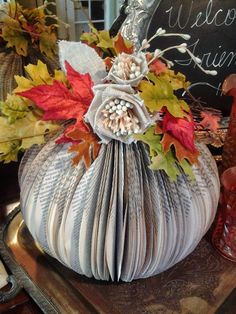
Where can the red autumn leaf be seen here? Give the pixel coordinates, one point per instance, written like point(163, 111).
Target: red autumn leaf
point(181, 129)
point(60, 103)
point(83, 148)
point(180, 151)
point(158, 67)
point(210, 121)
point(81, 83)
point(121, 45)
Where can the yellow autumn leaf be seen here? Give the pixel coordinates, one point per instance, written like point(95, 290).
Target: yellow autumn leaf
point(28, 130)
point(35, 16)
point(24, 28)
point(90, 38)
point(15, 38)
point(9, 9)
point(47, 44)
point(39, 75)
point(105, 40)
point(9, 151)
point(13, 8)
point(60, 76)
point(15, 107)
point(158, 93)
point(176, 80)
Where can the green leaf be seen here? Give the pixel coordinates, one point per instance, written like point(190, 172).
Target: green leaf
point(15, 107)
point(187, 168)
point(167, 163)
point(161, 160)
point(158, 93)
point(152, 140)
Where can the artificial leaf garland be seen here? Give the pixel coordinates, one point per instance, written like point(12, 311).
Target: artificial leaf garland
point(38, 75)
point(86, 148)
point(135, 102)
point(60, 103)
point(22, 29)
point(14, 108)
point(180, 128)
point(158, 93)
point(22, 134)
point(105, 44)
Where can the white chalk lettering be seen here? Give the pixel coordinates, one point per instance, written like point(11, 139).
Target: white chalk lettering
point(179, 20)
point(217, 19)
point(182, 18)
point(218, 59)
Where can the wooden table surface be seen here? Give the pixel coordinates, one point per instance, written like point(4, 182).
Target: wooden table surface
point(202, 283)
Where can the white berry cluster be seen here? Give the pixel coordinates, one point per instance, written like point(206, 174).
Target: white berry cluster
point(119, 118)
point(118, 106)
point(126, 68)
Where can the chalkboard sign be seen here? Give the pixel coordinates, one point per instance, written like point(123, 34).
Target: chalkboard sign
point(212, 26)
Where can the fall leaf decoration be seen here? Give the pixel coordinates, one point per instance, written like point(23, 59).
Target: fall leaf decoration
point(167, 153)
point(60, 103)
point(122, 45)
point(87, 147)
point(158, 67)
point(38, 75)
point(22, 134)
point(209, 121)
point(14, 108)
point(134, 99)
point(22, 28)
point(21, 124)
point(108, 46)
point(181, 129)
point(158, 94)
point(180, 151)
point(159, 159)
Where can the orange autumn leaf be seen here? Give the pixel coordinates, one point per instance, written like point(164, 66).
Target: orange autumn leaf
point(87, 148)
point(108, 63)
point(210, 121)
point(158, 129)
point(180, 151)
point(158, 67)
point(122, 45)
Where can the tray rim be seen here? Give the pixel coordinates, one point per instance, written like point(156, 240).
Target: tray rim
point(20, 279)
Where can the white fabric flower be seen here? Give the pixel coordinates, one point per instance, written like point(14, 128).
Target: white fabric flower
point(128, 69)
point(116, 112)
